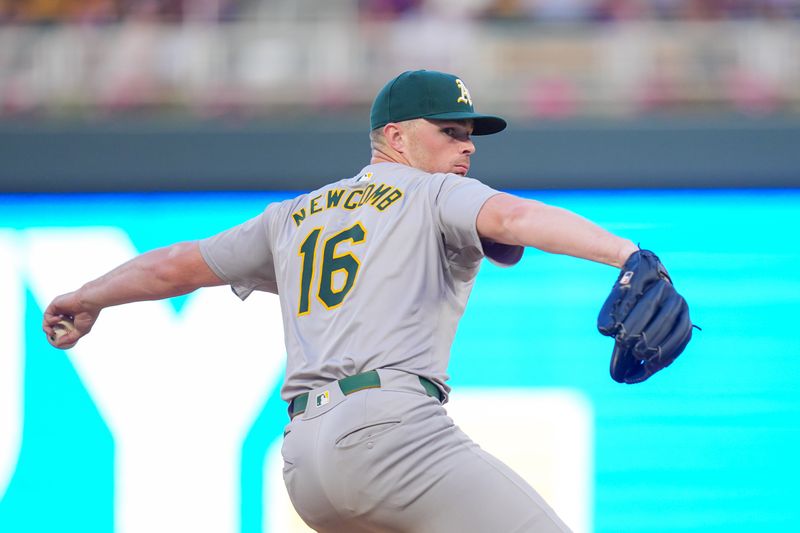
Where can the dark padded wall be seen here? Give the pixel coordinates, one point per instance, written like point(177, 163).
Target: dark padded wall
point(164, 155)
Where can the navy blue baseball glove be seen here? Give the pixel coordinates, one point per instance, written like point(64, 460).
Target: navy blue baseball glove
point(648, 319)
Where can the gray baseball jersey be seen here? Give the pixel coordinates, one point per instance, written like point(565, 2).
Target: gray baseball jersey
point(372, 271)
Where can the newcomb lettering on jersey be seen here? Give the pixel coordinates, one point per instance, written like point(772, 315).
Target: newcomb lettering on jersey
point(380, 196)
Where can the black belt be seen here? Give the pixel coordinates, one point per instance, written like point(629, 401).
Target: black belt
point(351, 384)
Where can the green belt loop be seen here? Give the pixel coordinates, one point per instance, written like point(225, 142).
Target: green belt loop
point(298, 405)
point(430, 388)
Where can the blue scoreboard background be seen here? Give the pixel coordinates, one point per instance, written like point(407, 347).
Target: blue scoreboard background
point(708, 445)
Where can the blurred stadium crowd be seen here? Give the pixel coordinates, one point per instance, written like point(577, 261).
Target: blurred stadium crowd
point(529, 58)
point(110, 11)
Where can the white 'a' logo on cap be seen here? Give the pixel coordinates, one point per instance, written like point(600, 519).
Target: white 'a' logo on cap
point(465, 98)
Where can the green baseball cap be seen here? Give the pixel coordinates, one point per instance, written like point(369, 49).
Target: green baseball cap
point(429, 94)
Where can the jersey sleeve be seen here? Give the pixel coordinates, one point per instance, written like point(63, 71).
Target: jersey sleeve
point(457, 204)
point(242, 256)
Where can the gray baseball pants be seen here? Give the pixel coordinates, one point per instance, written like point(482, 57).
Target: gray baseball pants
point(391, 460)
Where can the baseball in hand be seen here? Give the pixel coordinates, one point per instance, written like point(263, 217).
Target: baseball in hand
point(61, 328)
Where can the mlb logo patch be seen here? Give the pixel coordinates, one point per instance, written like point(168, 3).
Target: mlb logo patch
point(323, 398)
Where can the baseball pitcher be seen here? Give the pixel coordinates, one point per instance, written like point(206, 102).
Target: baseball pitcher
point(373, 273)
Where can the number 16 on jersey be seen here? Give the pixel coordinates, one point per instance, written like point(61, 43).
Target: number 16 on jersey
point(328, 266)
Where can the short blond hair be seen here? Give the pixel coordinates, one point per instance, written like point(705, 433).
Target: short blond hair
point(376, 138)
